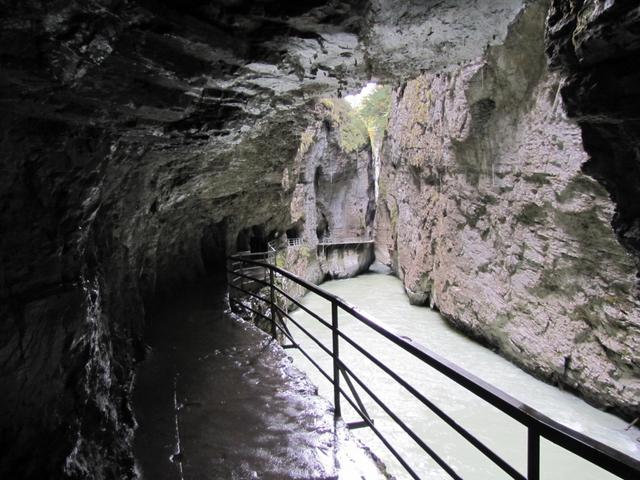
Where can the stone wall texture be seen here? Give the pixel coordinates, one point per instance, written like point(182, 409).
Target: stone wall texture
point(333, 196)
point(485, 213)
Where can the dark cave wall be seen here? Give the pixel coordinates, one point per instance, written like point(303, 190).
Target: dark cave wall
point(596, 45)
point(62, 362)
point(95, 225)
point(115, 149)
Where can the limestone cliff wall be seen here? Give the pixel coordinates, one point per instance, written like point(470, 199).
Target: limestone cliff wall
point(484, 212)
point(334, 195)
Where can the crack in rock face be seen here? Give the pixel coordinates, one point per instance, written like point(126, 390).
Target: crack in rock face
point(144, 140)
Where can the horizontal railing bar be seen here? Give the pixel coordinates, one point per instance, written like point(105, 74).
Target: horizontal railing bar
point(587, 447)
point(386, 443)
point(306, 309)
point(309, 286)
point(592, 450)
point(259, 280)
point(513, 407)
point(421, 443)
point(305, 331)
point(494, 457)
point(354, 425)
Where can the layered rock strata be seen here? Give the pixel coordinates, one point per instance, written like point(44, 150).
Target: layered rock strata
point(596, 47)
point(139, 140)
point(485, 212)
point(333, 201)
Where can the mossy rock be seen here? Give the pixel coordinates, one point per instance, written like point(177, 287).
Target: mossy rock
point(538, 178)
point(531, 214)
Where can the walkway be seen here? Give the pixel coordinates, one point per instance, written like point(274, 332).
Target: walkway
point(215, 399)
point(343, 241)
point(345, 237)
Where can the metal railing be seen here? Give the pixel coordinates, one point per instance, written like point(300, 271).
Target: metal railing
point(538, 425)
point(295, 242)
point(272, 246)
point(344, 236)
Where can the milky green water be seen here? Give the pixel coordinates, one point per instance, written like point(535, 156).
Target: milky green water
point(382, 296)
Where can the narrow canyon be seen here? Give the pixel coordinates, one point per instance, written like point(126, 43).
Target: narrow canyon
point(144, 142)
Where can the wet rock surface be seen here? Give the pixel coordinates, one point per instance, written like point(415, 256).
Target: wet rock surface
point(333, 197)
point(406, 37)
point(485, 213)
point(596, 46)
point(144, 140)
point(139, 140)
point(217, 398)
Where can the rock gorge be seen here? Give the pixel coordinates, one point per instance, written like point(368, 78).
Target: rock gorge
point(143, 141)
point(333, 198)
point(485, 212)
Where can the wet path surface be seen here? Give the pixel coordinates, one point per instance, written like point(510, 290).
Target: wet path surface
point(215, 399)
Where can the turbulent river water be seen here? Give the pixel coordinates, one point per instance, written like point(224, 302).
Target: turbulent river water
point(382, 296)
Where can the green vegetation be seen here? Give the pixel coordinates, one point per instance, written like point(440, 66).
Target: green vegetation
point(531, 214)
point(581, 184)
point(306, 139)
point(374, 112)
point(539, 178)
point(353, 131)
point(364, 124)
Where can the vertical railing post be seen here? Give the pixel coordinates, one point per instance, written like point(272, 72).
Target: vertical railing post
point(242, 272)
point(533, 454)
point(336, 359)
point(274, 333)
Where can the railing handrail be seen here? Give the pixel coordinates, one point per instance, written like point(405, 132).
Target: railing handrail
point(586, 447)
point(243, 255)
point(334, 239)
point(346, 235)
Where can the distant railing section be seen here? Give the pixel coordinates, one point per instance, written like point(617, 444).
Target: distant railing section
point(250, 255)
point(273, 245)
point(345, 236)
point(263, 284)
point(295, 242)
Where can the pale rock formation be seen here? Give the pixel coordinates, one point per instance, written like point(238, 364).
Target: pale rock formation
point(485, 213)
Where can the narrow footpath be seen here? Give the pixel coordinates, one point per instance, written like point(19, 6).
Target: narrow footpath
point(216, 399)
